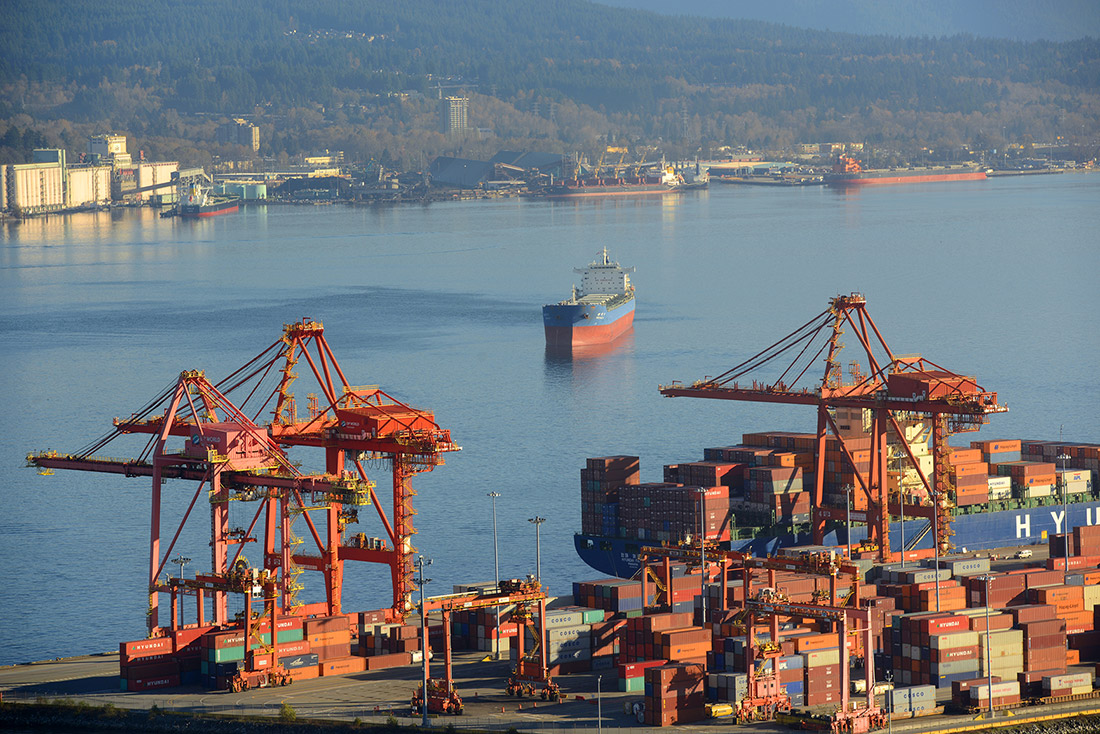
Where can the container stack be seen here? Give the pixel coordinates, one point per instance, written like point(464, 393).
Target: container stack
point(1005, 693)
point(969, 474)
point(960, 690)
point(600, 482)
point(821, 671)
point(619, 596)
point(998, 451)
point(1044, 645)
point(1030, 479)
point(577, 640)
point(1001, 650)
point(388, 645)
point(675, 694)
point(911, 700)
point(632, 675)
point(1068, 684)
point(668, 512)
point(146, 665)
point(223, 652)
point(729, 687)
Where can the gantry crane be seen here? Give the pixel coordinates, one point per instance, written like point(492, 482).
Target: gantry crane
point(765, 698)
point(821, 564)
point(895, 388)
point(528, 596)
point(229, 452)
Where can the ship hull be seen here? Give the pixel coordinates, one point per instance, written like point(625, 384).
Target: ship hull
point(900, 177)
point(585, 324)
point(976, 532)
point(570, 192)
point(194, 211)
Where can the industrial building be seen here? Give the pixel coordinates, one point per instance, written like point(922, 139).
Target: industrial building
point(50, 184)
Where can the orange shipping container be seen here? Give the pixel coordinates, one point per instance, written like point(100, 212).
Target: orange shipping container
point(343, 666)
point(309, 671)
point(339, 637)
point(816, 642)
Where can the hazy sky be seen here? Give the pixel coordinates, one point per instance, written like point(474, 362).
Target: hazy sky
point(1028, 20)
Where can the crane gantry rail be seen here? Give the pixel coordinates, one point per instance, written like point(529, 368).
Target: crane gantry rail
point(894, 386)
point(236, 457)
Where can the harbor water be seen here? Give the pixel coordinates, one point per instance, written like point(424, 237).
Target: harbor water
point(440, 306)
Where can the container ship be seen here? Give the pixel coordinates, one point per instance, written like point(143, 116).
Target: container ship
point(848, 171)
point(756, 496)
point(599, 311)
point(199, 202)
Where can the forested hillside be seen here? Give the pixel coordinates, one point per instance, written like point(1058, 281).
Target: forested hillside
point(361, 75)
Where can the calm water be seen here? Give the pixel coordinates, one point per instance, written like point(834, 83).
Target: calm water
point(440, 306)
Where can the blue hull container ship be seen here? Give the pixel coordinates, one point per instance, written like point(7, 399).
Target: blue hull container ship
point(1010, 493)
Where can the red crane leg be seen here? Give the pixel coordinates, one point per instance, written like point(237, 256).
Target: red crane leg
point(818, 497)
point(543, 652)
point(219, 548)
point(448, 671)
point(154, 543)
point(334, 567)
point(403, 530)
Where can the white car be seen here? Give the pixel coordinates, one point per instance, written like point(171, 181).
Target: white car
point(1025, 553)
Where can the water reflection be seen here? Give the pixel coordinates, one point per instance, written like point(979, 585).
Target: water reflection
point(588, 355)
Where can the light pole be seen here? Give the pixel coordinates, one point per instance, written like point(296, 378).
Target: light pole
point(936, 540)
point(421, 561)
point(538, 521)
point(599, 705)
point(182, 562)
point(1065, 506)
point(496, 569)
point(848, 508)
point(890, 694)
point(901, 520)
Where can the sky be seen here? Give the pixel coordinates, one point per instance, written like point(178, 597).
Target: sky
point(1026, 20)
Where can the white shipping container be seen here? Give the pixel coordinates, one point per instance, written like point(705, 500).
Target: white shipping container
point(1038, 490)
point(953, 640)
point(1067, 680)
point(1000, 483)
point(815, 658)
point(999, 690)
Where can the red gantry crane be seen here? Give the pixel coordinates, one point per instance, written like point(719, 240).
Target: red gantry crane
point(236, 459)
point(531, 670)
point(895, 388)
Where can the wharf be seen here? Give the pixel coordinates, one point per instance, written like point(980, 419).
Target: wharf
point(372, 697)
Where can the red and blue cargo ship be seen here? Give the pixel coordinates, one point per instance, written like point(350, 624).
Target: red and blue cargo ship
point(1013, 514)
point(598, 312)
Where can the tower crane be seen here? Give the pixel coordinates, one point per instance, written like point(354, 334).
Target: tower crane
point(895, 388)
point(237, 459)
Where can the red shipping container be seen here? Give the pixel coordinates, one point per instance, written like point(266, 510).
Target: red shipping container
point(1030, 613)
point(150, 671)
point(144, 648)
point(149, 684)
point(392, 660)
